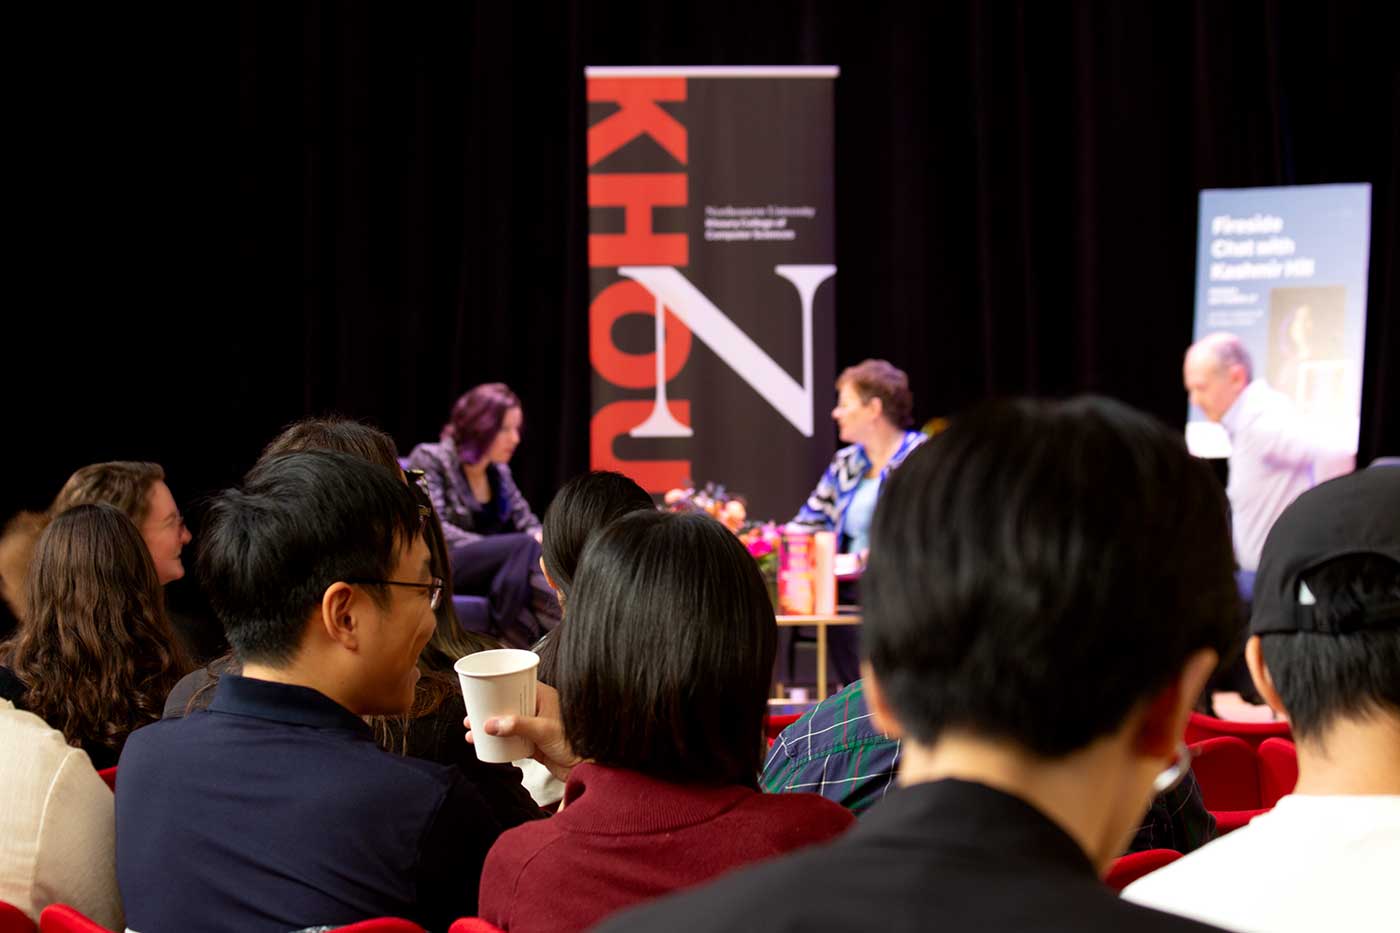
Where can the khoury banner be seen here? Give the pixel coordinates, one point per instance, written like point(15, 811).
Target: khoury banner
point(711, 250)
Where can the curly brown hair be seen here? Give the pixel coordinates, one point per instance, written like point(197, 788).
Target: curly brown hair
point(96, 652)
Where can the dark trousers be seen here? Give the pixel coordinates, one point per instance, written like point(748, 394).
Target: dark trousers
point(506, 570)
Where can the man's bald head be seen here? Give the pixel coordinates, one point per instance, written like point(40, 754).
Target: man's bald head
point(1216, 370)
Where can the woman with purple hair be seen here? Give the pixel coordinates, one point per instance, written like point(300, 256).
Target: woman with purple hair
point(493, 536)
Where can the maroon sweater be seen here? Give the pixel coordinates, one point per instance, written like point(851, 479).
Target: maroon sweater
point(623, 838)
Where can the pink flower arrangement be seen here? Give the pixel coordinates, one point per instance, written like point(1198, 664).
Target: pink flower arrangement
point(762, 539)
point(712, 500)
point(763, 542)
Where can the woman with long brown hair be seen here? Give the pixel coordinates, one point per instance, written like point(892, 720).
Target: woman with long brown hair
point(95, 655)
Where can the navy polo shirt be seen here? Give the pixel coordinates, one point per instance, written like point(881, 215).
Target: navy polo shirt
point(275, 810)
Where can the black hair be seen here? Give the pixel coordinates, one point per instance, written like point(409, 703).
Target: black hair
point(301, 522)
point(582, 507)
point(1322, 678)
point(338, 433)
point(1039, 568)
point(667, 654)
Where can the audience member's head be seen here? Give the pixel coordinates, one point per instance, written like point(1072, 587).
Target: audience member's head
point(1325, 647)
point(584, 506)
point(485, 424)
point(139, 490)
point(343, 435)
point(96, 652)
point(17, 542)
point(317, 566)
point(666, 657)
point(1050, 579)
point(1217, 368)
point(347, 436)
point(880, 380)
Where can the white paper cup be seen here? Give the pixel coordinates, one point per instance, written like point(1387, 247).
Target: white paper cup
point(498, 683)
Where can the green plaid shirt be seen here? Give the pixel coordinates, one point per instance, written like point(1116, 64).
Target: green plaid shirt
point(834, 750)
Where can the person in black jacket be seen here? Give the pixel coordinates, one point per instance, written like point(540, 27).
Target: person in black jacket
point(1050, 584)
point(431, 728)
point(274, 809)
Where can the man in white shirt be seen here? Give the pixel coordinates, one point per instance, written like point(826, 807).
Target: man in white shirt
point(1325, 651)
point(57, 838)
point(1271, 458)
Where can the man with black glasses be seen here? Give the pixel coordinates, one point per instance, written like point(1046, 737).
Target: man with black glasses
point(274, 809)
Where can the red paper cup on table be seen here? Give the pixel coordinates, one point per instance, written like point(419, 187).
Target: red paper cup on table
point(498, 683)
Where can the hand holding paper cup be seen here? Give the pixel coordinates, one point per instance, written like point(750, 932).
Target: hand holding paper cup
point(499, 683)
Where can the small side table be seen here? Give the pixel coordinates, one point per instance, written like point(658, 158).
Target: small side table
point(820, 623)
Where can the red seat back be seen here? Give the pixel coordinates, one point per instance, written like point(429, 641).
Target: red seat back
point(1228, 771)
point(1230, 820)
point(1201, 727)
point(474, 925)
point(60, 918)
point(110, 776)
point(1278, 770)
point(772, 725)
point(14, 920)
point(1128, 868)
point(382, 925)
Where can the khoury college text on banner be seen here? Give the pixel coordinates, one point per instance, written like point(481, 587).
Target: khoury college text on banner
point(1284, 269)
point(710, 195)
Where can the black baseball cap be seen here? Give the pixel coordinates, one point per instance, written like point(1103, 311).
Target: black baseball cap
point(1354, 514)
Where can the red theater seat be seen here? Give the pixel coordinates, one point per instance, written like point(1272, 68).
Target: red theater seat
point(60, 918)
point(1201, 727)
point(1278, 770)
point(1230, 820)
point(1228, 771)
point(1233, 782)
point(473, 925)
point(772, 725)
point(110, 776)
point(1129, 868)
point(14, 920)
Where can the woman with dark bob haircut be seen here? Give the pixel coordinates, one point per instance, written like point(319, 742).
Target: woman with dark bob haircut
point(95, 656)
point(664, 668)
point(493, 536)
point(582, 507)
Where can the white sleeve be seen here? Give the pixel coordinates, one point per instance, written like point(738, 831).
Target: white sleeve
point(76, 861)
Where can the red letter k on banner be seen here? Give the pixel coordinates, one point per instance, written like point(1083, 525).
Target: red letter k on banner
point(638, 114)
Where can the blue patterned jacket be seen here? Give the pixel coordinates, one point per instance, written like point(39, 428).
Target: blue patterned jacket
point(825, 509)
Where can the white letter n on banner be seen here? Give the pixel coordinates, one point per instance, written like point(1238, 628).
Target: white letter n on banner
point(730, 344)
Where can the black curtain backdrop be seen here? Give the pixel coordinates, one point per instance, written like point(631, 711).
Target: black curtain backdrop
point(227, 217)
